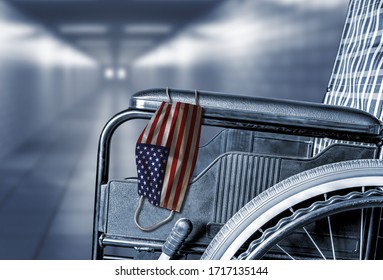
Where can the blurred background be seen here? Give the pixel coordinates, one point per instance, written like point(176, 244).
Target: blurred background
point(67, 66)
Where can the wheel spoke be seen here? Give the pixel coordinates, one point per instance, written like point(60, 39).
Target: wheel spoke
point(361, 231)
point(361, 235)
point(330, 231)
point(312, 240)
point(284, 251)
point(331, 238)
point(316, 246)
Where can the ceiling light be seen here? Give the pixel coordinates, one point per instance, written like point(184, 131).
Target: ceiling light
point(147, 29)
point(121, 73)
point(83, 28)
point(137, 43)
point(93, 43)
point(109, 73)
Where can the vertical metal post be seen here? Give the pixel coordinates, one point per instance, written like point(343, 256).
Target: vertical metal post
point(102, 173)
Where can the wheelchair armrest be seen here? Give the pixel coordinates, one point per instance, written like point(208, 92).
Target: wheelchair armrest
point(268, 112)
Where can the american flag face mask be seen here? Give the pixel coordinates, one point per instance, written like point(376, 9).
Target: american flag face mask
point(166, 154)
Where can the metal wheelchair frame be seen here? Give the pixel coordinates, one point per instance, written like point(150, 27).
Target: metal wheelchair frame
point(281, 117)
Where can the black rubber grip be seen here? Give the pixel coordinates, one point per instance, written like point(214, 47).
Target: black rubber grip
point(177, 236)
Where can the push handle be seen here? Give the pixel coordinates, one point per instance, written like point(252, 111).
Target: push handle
point(176, 238)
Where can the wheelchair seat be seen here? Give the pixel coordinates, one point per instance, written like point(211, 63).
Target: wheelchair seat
point(314, 116)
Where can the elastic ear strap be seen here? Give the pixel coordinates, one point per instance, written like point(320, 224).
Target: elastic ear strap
point(196, 97)
point(153, 227)
point(168, 95)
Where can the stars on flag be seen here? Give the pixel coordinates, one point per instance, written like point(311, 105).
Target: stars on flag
point(151, 170)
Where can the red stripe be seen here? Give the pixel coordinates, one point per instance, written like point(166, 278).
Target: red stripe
point(194, 159)
point(176, 156)
point(163, 125)
point(141, 135)
point(172, 126)
point(154, 124)
point(185, 161)
point(196, 145)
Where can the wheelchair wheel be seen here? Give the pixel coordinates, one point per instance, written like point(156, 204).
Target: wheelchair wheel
point(332, 206)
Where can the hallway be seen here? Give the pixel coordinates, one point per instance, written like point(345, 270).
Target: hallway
point(66, 67)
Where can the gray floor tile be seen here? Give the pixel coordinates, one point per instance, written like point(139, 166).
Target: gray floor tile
point(26, 200)
point(77, 202)
point(18, 247)
point(72, 223)
point(25, 223)
point(64, 247)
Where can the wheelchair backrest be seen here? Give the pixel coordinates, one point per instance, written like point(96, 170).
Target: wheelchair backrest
point(356, 79)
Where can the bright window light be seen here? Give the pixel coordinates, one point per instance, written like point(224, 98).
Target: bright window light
point(109, 73)
point(16, 30)
point(22, 40)
point(179, 52)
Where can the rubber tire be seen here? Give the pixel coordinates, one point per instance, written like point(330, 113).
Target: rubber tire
point(317, 211)
point(286, 194)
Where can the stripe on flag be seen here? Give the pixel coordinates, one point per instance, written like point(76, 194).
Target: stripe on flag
point(166, 154)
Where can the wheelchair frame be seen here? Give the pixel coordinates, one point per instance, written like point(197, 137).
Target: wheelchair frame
point(279, 117)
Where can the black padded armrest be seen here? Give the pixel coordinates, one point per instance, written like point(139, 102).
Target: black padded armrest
point(279, 112)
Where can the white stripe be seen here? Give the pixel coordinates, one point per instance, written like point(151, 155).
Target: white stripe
point(149, 126)
point(343, 65)
point(369, 52)
point(360, 53)
point(159, 124)
point(370, 37)
point(350, 64)
point(378, 103)
point(168, 125)
point(357, 60)
point(370, 72)
point(171, 153)
point(371, 95)
point(145, 134)
point(193, 147)
point(375, 73)
point(365, 57)
point(361, 68)
point(182, 153)
point(357, 18)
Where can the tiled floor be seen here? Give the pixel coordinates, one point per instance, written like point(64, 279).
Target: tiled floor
point(47, 185)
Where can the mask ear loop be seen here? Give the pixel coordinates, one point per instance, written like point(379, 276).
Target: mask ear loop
point(152, 227)
point(196, 97)
point(168, 95)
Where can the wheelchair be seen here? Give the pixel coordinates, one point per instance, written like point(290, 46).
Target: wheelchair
point(258, 190)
